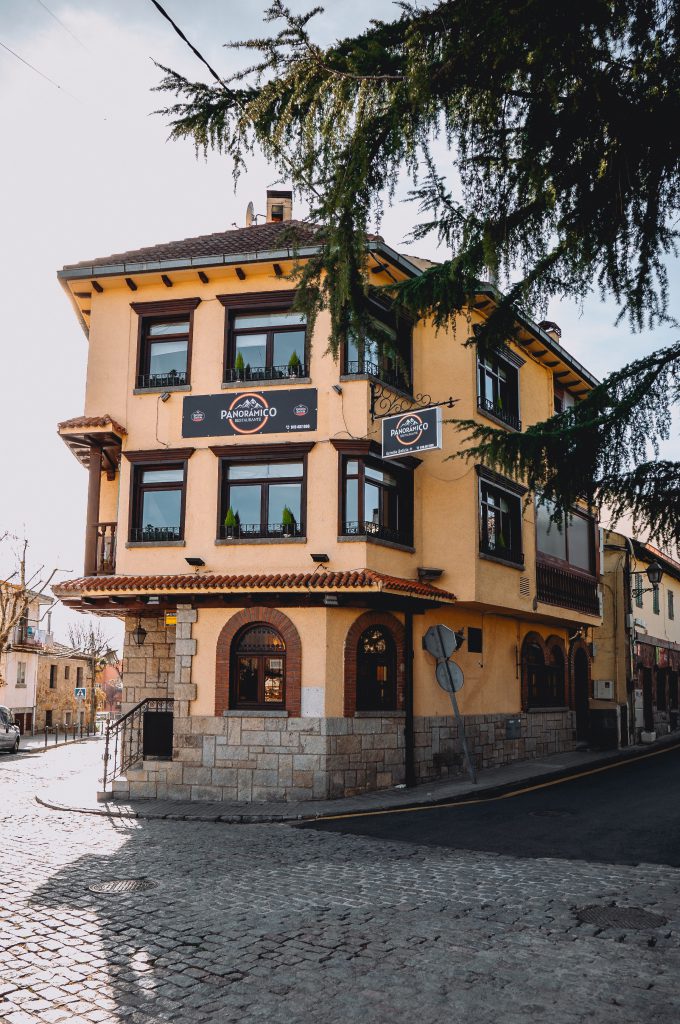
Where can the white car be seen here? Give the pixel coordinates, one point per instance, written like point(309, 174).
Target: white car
point(9, 731)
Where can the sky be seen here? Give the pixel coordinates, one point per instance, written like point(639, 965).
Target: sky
point(87, 170)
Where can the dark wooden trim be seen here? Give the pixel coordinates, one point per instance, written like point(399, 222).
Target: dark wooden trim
point(355, 446)
point(96, 285)
point(166, 280)
point(163, 307)
point(240, 273)
point(277, 269)
point(202, 276)
point(262, 300)
point(498, 480)
point(83, 295)
point(131, 284)
point(262, 452)
point(159, 455)
point(181, 456)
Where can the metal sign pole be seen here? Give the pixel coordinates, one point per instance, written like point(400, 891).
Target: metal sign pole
point(441, 642)
point(463, 740)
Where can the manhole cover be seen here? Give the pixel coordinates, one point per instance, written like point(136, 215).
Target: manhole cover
point(620, 917)
point(551, 814)
point(123, 885)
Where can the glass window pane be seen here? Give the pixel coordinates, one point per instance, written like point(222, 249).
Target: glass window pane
point(264, 470)
point(245, 501)
point(162, 476)
point(161, 509)
point(273, 681)
point(167, 357)
point(281, 495)
point(378, 474)
point(371, 503)
point(352, 467)
point(285, 344)
point(247, 680)
point(179, 327)
point(579, 533)
point(550, 538)
point(249, 321)
point(351, 501)
point(253, 348)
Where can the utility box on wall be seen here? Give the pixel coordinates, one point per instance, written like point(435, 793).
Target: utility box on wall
point(603, 689)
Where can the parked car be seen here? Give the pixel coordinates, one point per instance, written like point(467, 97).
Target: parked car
point(9, 731)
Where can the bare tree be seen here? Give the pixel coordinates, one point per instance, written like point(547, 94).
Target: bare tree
point(90, 639)
point(17, 591)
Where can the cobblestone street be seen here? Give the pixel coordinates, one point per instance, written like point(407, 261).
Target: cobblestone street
point(283, 924)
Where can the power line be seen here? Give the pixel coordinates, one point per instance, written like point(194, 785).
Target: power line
point(191, 46)
point(38, 72)
point(65, 27)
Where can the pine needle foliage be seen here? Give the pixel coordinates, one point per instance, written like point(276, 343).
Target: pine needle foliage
point(542, 144)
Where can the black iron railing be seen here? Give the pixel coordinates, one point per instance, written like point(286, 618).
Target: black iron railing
point(567, 589)
point(500, 551)
point(394, 378)
point(175, 379)
point(258, 374)
point(371, 529)
point(253, 531)
point(155, 534)
point(124, 739)
point(487, 405)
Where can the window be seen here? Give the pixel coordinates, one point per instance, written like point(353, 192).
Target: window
point(258, 668)
point(53, 677)
point(376, 501)
point(498, 389)
point(67, 718)
point(500, 523)
point(474, 640)
point(671, 606)
point(376, 671)
point(385, 355)
point(164, 343)
point(158, 503)
point(572, 541)
point(656, 604)
point(67, 672)
point(267, 346)
point(638, 589)
point(262, 499)
point(21, 673)
point(48, 719)
point(79, 676)
point(544, 680)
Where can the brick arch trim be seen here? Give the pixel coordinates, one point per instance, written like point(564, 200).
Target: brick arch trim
point(578, 644)
point(397, 632)
point(546, 646)
point(291, 638)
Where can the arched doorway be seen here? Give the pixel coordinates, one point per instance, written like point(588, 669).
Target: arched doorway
point(258, 675)
point(376, 670)
point(581, 682)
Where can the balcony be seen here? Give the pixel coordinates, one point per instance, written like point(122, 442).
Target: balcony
point(494, 409)
point(566, 589)
point(28, 637)
point(258, 531)
point(377, 531)
point(148, 381)
point(265, 374)
point(505, 554)
point(106, 549)
point(391, 377)
point(155, 534)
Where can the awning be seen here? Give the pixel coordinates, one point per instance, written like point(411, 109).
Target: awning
point(83, 433)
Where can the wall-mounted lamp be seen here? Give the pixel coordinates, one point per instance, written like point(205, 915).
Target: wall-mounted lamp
point(337, 389)
point(197, 563)
point(320, 557)
point(654, 574)
point(331, 600)
point(427, 573)
point(139, 634)
point(165, 396)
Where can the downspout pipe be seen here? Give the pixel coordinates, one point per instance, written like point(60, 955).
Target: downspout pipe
point(409, 745)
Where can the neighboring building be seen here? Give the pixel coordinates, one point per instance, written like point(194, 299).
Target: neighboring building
point(61, 671)
point(236, 486)
point(637, 659)
point(19, 663)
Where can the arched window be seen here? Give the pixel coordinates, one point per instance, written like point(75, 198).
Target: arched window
point(258, 675)
point(376, 671)
point(544, 679)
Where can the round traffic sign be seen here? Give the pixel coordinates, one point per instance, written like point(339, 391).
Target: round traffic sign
point(449, 676)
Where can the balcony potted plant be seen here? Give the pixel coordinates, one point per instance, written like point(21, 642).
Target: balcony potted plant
point(232, 523)
point(294, 364)
point(239, 366)
point(288, 522)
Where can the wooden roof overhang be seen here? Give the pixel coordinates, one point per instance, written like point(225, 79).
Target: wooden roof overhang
point(151, 595)
point(103, 433)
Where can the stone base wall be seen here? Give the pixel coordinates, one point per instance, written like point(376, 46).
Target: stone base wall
point(148, 670)
point(276, 758)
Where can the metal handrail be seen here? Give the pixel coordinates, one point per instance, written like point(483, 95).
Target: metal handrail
point(127, 737)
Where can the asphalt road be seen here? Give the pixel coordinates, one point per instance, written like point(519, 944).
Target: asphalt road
point(628, 814)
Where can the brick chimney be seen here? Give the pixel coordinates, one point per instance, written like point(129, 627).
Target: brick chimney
point(551, 329)
point(279, 206)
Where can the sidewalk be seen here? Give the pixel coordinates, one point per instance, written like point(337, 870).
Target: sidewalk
point(36, 744)
point(495, 782)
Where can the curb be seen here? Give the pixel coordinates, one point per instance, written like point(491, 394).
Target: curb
point(489, 793)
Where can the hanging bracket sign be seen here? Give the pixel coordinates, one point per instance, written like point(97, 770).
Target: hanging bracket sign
point(247, 413)
point(411, 432)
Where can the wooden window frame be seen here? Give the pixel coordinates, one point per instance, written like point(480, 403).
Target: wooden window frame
point(671, 604)
point(235, 654)
point(54, 669)
point(514, 554)
point(155, 312)
point(394, 375)
point(560, 563)
point(369, 454)
point(511, 364)
point(166, 458)
point(256, 302)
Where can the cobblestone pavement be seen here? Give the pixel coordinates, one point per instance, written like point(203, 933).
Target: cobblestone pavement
point(279, 924)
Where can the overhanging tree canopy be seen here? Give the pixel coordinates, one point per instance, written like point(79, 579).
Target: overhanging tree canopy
point(543, 144)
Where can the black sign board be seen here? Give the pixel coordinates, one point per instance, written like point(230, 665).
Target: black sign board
point(247, 413)
point(411, 432)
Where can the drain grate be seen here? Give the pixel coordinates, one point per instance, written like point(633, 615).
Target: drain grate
point(620, 917)
point(117, 885)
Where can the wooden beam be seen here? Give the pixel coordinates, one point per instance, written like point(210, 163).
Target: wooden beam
point(96, 285)
point(87, 312)
point(240, 273)
point(166, 280)
point(131, 284)
point(202, 276)
point(83, 295)
point(277, 269)
point(563, 373)
point(539, 352)
point(552, 362)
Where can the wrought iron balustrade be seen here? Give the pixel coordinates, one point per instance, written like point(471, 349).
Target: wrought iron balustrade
point(255, 531)
point(174, 379)
point(155, 534)
point(393, 378)
point(258, 374)
point(567, 589)
point(125, 739)
point(106, 549)
point(371, 529)
point(500, 551)
point(494, 409)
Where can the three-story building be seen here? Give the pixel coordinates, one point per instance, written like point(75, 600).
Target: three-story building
point(275, 573)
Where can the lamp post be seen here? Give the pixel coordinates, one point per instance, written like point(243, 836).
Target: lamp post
point(654, 574)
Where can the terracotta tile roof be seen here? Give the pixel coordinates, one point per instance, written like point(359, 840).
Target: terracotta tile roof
point(84, 422)
point(360, 579)
point(259, 237)
point(647, 551)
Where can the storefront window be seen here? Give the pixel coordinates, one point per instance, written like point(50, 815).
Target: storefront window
point(258, 668)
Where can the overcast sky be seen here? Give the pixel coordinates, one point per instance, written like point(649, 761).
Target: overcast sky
point(87, 171)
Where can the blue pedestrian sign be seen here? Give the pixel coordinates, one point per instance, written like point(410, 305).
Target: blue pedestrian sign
point(80, 691)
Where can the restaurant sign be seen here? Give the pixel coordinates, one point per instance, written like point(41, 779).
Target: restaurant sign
point(282, 411)
point(411, 432)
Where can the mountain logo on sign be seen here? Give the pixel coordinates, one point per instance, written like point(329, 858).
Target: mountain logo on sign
point(409, 429)
point(248, 413)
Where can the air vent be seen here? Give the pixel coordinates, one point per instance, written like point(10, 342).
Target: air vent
point(524, 586)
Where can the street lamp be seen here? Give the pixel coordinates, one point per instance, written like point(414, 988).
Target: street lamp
point(654, 574)
point(139, 634)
